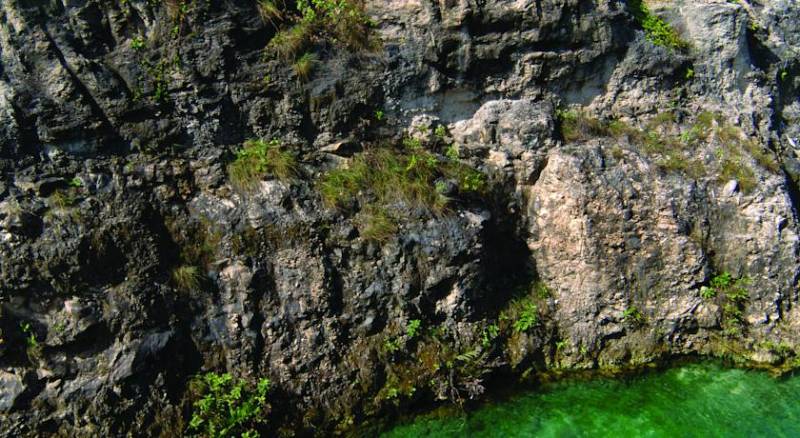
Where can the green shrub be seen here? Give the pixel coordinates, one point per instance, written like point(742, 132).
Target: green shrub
point(34, 348)
point(30, 337)
point(259, 159)
point(228, 407)
point(658, 31)
point(288, 43)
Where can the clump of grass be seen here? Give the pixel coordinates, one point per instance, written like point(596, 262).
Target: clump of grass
point(658, 31)
point(377, 224)
point(734, 152)
point(62, 199)
point(187, 278)
point(317, 22)
point(733, 167)
point(271, 11)
point(672, 149)
point(577, 126)
point(389, 177)
point(288, 43)
point(259, 159)
point(387, 184)
point(304, 65)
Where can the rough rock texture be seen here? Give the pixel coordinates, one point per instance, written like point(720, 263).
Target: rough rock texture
point(117, 124)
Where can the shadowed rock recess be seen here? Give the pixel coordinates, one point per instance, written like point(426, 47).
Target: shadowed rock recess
point(383, 205)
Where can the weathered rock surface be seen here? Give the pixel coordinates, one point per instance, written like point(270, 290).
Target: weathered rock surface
point(117, 125)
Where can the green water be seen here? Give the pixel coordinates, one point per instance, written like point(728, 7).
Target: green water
point(699, 400)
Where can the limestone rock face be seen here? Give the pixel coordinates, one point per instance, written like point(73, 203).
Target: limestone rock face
point(119, 121)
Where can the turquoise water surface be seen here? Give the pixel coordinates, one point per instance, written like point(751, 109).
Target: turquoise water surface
point(698, 400)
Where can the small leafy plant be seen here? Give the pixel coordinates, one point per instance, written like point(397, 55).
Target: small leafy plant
point(735, 295)
point(528, 317)
point(633, 315)
point(34, 349)
point(412, 329)
point(228, 407)
point(489, 334)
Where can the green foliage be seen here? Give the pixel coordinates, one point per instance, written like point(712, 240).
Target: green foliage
point(30, 337)
point(137, 43)
point(469, 356)
point(658, 31)
point(734, 292)
point(528, 316)
point(440, 132)
point(733, 289)
point(577, 126)
point(689, 73)
point(187, 278)
point(489, 334)
point(392, 344)
point(228, 407)
point(288, 43)
point(708, 293)
point(412, 329)
point(452, 152)
point(259, 159)
point(472, 181)
point(632, 315)
point(379, 115)
point(76, 183)
point(34, 349)
point(540, 290)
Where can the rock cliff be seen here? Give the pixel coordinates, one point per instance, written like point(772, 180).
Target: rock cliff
point(429, 197)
